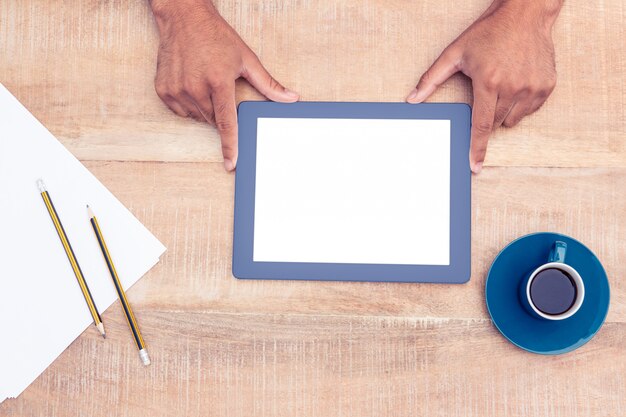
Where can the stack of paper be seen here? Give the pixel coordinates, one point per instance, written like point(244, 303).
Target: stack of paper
point(42, 309)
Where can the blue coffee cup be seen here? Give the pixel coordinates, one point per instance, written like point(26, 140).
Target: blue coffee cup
point(554, 290)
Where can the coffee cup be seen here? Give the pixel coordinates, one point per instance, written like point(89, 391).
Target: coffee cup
point(554, 290)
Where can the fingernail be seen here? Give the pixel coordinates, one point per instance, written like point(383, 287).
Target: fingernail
point(411, 97)
point(415, 97)
point(291, 94)
point(229, 165)
point(478, 167)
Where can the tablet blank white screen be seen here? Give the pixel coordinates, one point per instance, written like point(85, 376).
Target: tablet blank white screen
point(352, 191)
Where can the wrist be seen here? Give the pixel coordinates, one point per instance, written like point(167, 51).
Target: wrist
point(542, 13)
point(167, 12)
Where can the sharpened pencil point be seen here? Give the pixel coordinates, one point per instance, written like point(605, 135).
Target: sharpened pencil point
point(100, 327)
point(90, 212)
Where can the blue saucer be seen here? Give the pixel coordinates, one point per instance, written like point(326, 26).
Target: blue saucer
point(545, 337)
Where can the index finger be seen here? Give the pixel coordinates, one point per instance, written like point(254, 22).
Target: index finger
point(483, 115)
point(225, 110)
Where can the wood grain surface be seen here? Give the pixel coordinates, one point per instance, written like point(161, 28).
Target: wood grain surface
point(225, 347)
point(85, 68)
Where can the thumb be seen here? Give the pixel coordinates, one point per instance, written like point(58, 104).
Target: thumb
point(263, 81)
point(447, 64)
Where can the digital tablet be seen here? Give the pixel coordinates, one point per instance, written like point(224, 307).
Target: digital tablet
point(353, 192)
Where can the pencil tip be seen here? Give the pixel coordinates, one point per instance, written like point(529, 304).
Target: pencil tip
point(100, 327)
point(89, 211)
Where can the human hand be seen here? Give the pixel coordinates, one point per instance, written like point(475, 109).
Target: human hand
point(200, 57)
point(509, 55)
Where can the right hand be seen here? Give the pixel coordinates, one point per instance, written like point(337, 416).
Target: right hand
point(200, 57)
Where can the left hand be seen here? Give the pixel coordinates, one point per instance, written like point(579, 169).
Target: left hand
point(509, 55)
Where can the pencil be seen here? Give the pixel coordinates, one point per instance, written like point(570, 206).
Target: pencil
point(128, 312)
point(71, 257)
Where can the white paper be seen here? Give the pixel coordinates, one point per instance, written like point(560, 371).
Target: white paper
point(42, 309)
point(352, 191)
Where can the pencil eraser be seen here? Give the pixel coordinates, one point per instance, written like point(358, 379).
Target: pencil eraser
point(143, 354)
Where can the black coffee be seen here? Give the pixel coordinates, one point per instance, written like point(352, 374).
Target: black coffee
point(553, 291)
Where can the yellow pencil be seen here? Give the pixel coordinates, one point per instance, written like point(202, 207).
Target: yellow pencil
point(128, 312)
point(71, 257)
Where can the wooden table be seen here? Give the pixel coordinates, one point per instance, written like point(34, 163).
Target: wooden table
point(221, 346)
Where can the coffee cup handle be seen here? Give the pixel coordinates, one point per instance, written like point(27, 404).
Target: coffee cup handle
point(557, 254)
